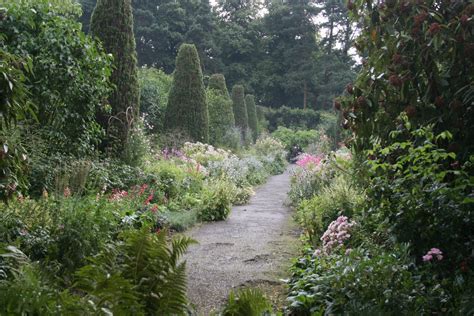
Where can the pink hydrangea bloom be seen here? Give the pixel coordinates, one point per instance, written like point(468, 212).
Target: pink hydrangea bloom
point(336, 233)
point(432, 254)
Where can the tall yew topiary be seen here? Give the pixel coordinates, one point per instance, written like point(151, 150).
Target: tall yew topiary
point(217, 82)
point(187, 108)
point(112, 23)
point(252, 115)
point(240, 109)
point(221, 114)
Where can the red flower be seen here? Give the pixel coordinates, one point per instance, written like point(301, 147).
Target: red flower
point(154, 208)
point(434, 28)
point(149, 198)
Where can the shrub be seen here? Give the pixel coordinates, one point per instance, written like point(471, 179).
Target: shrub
point(112, 23)
point(154, 89)
point(369, 281)
point(240, 109)
point(69, 75)
point(291, 118)
point(27, 290)
point(338, 198)
point(233, 139)
point(423, 193)
point(252, 116)
point(15, 106)
point(299, 138)
point(187, 108)
point(419, 73)
point(221, 117)
point(217, 82)
point(217, 198)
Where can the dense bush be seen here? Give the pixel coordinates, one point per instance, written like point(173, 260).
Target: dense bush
point(426, 73)
point(424, 194)
point(154, 89)
point(217, 200)
point(14, 108)
point(291, 118)
point(240, 109)
point(252, 116)
point(369, 281)
point(187, 107)
point(299, 138)
point(70, 71)
point(217, 82)
point(338, 198)
point(221, 118)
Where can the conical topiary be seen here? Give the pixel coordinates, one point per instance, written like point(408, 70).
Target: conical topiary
point(217, 82)
point(240, 109)
point(252, 115)
point(221, 114)
point(187, 108)
point(112, 23)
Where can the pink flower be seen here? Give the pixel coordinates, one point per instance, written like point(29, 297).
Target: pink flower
point(427, 258)
point(154, 208)
point(307, 160)
point(433, 253)
point(149, 198)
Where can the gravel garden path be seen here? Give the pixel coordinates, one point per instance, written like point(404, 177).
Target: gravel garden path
point(253, 247)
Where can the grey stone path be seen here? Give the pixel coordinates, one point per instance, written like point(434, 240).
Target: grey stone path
point(253, 246)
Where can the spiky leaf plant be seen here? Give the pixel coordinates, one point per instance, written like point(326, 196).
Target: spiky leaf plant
point(140, 274)
point(247, 302)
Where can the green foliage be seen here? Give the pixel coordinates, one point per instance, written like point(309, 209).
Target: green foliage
point(340, 197)
point(154, 89)
point(370, 281)
point(423, 193)
point(61, 232)
point(187, 107)
point(252, 115)
point(26, 290)
point(15, 107)
point(140, 275)
point(289, 65)
point(112, 23)
point(291, 138)
point(69, 72)
point(418, 73)
point(291, 118)
point(221, 118)
point(217, 82)
point(240, 109)
point(247, 302)
point(217, 200)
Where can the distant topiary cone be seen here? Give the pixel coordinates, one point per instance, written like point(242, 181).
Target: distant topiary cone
point(252, 115)
point(217, 82)
point(187, 108)
point(221, 114)
point(112, 23)
point(240, 109)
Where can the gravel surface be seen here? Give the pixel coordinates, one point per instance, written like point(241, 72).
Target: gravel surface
point(253, 247)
